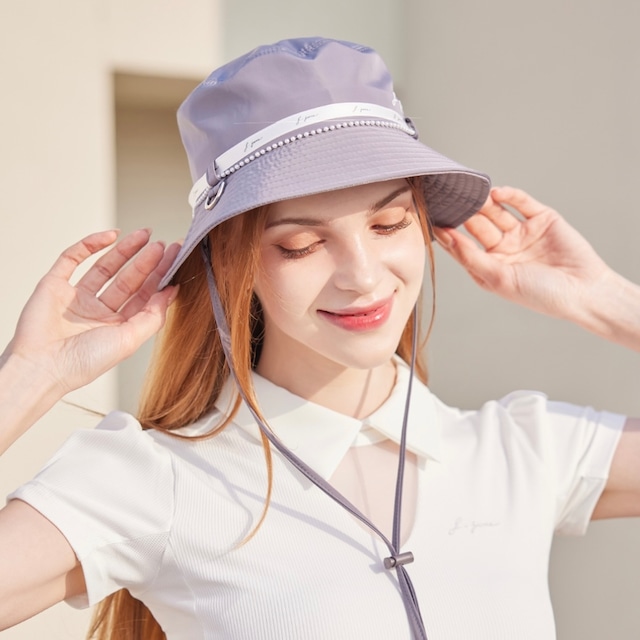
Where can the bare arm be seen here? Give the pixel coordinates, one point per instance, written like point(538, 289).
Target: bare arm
point(67, 336)
point(621, 497)
point(39, 567)
point(541, 262)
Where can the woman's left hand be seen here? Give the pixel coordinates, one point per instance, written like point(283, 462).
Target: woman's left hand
point(537, 260)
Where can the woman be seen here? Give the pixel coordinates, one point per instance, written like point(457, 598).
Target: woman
point(339, 498)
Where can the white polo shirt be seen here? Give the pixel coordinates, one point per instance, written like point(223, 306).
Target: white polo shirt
point(164, 518)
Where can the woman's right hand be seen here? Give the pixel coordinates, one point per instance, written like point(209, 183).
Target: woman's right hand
point(74, 333)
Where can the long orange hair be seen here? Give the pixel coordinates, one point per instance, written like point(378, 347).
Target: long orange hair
point(189, 369)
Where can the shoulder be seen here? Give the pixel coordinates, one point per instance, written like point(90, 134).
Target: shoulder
point(115, 459)
point(529, 420)
point(525, 408)
point(118, 438)
point(119, 435)
point(106, 486)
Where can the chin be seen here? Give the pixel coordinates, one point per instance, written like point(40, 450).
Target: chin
point(366, 359)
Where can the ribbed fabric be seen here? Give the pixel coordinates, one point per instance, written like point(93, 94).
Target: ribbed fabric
point(164, 517)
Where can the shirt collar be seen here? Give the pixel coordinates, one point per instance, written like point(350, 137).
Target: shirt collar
point(321, 437)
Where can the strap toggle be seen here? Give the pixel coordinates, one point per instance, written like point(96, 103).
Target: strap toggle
point(394, 561)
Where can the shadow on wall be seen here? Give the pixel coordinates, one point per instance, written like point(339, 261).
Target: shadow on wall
point(152, 180)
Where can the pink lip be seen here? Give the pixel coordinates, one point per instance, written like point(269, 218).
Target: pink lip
point(360, 319)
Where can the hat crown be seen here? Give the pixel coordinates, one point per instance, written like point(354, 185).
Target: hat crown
point(273, 82)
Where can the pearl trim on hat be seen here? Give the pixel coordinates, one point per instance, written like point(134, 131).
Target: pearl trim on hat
point(236, 157)
point(313, 132)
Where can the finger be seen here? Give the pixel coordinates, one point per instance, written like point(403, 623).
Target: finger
point(503, 219)
point(124, 338)
point(129, 280)
point(480, 265)
point(484, 231)
point(520, 200)
point(150, 286)
point(77, 253)
point(111, 262)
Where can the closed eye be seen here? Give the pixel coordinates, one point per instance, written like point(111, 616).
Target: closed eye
point(294, 254)
point(390, 229)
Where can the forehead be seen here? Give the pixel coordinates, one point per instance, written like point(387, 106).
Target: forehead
point(361, 198)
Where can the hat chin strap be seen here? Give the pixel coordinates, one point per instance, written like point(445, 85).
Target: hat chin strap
point(396, 560)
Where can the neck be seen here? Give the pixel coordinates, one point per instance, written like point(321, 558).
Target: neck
point(353, 392)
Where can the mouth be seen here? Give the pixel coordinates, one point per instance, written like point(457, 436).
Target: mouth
point(360, 319)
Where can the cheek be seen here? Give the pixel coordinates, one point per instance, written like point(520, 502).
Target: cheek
point(287, 288)
point(409, 261)
point(419, 261)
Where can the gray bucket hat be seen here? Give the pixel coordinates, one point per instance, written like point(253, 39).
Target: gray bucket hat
point(305, 116)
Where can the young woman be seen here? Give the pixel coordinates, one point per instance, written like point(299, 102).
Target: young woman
point(289, 474)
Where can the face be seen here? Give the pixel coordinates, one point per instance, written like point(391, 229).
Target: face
point(339, 276)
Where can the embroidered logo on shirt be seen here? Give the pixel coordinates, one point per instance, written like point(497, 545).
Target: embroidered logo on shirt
point(470, 526)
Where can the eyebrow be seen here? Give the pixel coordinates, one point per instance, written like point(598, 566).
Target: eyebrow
point(390, 198)
point(318, 222)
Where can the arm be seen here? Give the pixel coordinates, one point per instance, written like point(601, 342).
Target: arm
point(541, 262)
point(68, 335)
point(39, 568)
point(621, 497)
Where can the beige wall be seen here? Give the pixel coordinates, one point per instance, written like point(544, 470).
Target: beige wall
point(57, 177)
point(540, 95)
point(152, 180)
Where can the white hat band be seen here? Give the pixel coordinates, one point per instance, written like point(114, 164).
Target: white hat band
point(259, 143)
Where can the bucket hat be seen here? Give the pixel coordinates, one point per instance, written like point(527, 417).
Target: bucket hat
point(305, 116)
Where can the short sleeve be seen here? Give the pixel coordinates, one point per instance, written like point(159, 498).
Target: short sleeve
point(110, 491)
point(576, 447)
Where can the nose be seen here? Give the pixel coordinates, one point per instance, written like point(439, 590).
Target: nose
point(359, 266)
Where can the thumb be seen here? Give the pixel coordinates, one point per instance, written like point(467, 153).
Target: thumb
point(149, 320)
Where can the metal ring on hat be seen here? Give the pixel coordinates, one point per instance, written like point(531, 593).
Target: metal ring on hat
point(211, 202)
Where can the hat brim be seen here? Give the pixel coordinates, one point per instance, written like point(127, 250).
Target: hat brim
point(337, 160)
